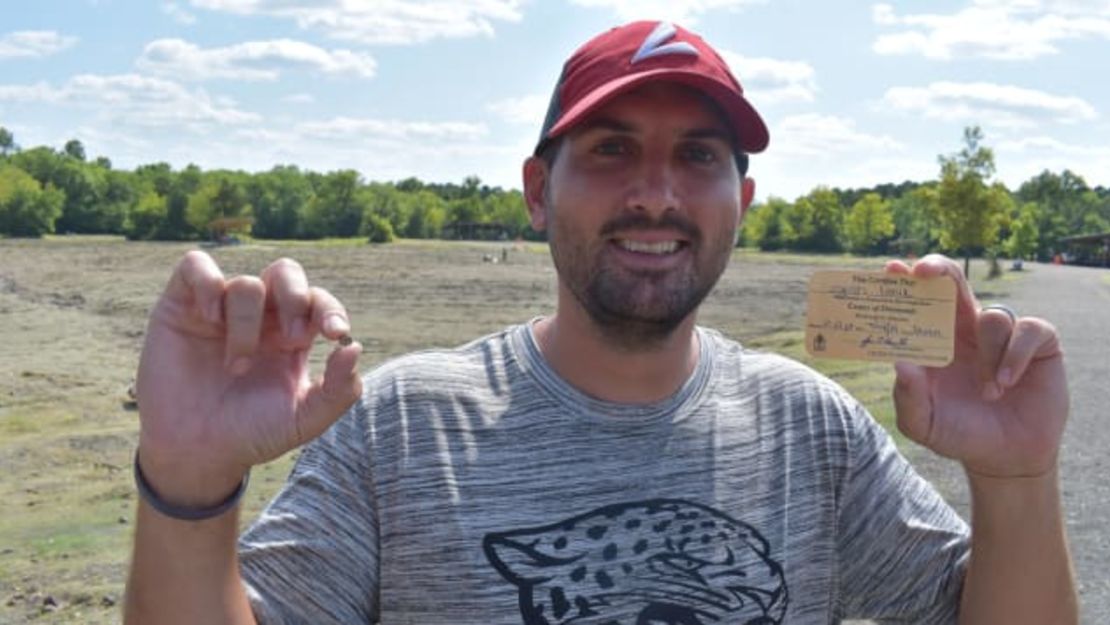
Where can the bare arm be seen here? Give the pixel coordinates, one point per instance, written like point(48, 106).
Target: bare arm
point(185, 572)
point(222, 386)
point(999, 409)
point(1020, 570)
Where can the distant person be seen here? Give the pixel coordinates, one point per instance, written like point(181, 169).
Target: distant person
point(612, 462)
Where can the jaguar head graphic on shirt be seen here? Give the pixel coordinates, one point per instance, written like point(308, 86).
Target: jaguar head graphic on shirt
point(662, 561)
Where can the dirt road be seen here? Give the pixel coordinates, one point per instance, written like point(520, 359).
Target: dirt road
point(1077, 301)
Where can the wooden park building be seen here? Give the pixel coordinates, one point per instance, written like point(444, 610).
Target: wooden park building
point(1088, 249)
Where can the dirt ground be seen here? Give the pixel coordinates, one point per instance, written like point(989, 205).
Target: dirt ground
point(73, 312)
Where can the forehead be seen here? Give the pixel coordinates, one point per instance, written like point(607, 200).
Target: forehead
point(652, 103)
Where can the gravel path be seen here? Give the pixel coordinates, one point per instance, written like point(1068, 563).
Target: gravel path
point(1077, 301)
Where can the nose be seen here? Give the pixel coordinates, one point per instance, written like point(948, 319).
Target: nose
point(654, 187)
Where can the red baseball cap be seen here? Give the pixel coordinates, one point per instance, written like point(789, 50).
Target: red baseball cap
point(630, 55)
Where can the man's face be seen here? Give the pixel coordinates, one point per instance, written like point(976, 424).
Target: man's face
point(641, 207)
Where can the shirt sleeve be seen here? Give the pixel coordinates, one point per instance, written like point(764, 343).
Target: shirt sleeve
point(903, 551)
point(312, 555)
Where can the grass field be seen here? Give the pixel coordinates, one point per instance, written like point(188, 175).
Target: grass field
point(74, 309)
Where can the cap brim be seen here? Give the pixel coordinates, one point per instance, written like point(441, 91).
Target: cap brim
point(751, 132)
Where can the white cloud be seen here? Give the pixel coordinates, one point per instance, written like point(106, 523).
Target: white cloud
point(1011, 30)
point(383, 149)
point(811, 150)
point(251, 60)
point(178, 14)
point(1030, 155)
point(529, 109)
point(382, 21)
point(33, 44)
point(684, 12)
point(986, 103)
point(299, 98)
point(363, 129)
point(814, 134)
point(767, 80)
point(132, 99)
point(1042, 147)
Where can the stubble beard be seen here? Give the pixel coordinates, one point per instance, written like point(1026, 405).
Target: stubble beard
point(634, 311)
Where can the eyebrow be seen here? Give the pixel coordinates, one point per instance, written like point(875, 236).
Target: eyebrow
point(614, 125)
point(604, 123)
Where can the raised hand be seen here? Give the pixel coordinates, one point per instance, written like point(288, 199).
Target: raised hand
point(1001, 405)
point(223, 382)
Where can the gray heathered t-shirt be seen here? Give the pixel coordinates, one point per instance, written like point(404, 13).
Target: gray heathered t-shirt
point(476, 486)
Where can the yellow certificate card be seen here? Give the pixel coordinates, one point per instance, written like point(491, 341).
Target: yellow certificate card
point(864, 315)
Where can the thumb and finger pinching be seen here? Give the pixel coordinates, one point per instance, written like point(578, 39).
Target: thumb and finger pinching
point(333, 393)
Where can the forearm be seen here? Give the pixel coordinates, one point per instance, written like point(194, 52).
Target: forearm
point(185, 571)
point(1020, 570)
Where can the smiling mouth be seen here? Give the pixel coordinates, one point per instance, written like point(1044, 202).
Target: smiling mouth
point(658, 248)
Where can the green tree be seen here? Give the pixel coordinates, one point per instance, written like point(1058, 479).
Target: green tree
point(175, 187)
point(147, 218)
point(377, 229)
point(385, 201)
point(279, 198)
point(182, 185)
point(870, 222)
point(508, 209)
point(1060, 198)
point(766, 226)
point(26, 208)
point(427, 215)
point(96, 199)
point(7, 142)
point(1024, 236)
point(75, 150)
point(466, 209)
point(915, 221)
point(41, 162)
point(817, 221)
point(337, 208)
point(218, 206)
point(967, 208)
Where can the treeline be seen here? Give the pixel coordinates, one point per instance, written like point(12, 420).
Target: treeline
point(961, 212)
point(43, 191)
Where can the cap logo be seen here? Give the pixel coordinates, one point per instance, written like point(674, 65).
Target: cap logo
point(654, 45)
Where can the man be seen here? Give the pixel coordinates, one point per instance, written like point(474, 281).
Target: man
point(610, 463)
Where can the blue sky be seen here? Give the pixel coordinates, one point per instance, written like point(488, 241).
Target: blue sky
point(855, 93)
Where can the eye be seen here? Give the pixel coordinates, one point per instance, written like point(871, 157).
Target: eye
point(699, 153)
point(613, 146)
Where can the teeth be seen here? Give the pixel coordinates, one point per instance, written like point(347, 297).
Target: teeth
point(643, 247)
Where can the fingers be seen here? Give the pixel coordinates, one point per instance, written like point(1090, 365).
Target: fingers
point(912, 404)
point(288, 293)
point(241, 308)
point(1033, 339)
point(897, 267)
point(301, 311)
point(1007, 347)
point(967, 306)
point(995, 328)
point(244, 305)
point(197, 284)
point(331, 396)
point(329, 317)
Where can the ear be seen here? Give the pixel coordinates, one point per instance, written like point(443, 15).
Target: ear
point(747, 194)
point(536, 177)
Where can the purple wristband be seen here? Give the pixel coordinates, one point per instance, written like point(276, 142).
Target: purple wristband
point(186, 514)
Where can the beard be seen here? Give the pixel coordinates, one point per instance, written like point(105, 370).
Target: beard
point(638, 310)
